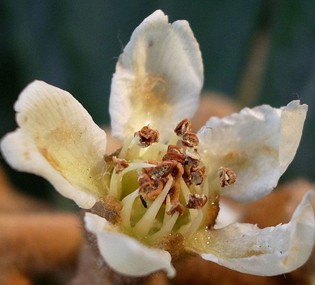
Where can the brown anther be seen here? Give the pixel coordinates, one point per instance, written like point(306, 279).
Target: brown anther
point(153, 180)
point(144, 178)
point(227, 176)
point(149, 189)
point(196, 201)
point(109, 164)
point(191, 163)
point(197, 175)
point(147, 136)
point(174, 156)
point(152, 161)
point(183, 127)
point(120, 164)
point(177, 207)
point(190, 139)
point(172, 201)
point(163, 169)
point(158, 185)
point(175, 149)
point(176, 153)
point(187, 174)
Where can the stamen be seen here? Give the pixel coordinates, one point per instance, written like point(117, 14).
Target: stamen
point(176, 153)
point(145, 223)
point(168, 206)
point(166, 228)
point(195, 223)
point(116, 179)
point(205, 188)
point(114, 185)
point(126, 146)
point(197, 175)
point(190, 139)
point(120, 164)
point(109, 158)
point(149, 189)
point(127, 203)
point(185, 190)
point(183, 127)
point(192, 212)
point(227, 176)
point(196, 201)
point(147, 136)
point(153, 151)
point(136, 165)
point(173, 140)
point(192, 157)
point(190, 166)
point(177, 207)
point(161, 170)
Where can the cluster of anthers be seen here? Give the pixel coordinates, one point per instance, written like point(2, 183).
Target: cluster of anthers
point(181, 161)
point(163, 188)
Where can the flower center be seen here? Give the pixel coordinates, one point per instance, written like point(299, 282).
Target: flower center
point(158, 189)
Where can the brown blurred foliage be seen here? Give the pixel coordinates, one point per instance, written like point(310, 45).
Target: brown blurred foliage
point(34, 241)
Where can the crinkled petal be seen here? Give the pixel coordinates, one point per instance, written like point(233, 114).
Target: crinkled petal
point(257, 144)
point(58, 140)
point(125, 254)
point(158, 77)
point(269, 251)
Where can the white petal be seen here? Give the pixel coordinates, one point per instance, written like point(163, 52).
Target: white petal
point(257, 144)
point(292, 121)
point(269, 251)
point(228, 214)
point(125, 254)
point(59, 141)
point(158, 77)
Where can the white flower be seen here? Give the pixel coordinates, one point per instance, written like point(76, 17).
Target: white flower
point(159, 195)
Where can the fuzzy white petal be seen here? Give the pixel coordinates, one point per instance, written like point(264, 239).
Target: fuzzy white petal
point(58, 140)
point(227, 215)
point(269, 251)
point(125, 254)
point(257, 144)
point(158, 77)
point(292, 121)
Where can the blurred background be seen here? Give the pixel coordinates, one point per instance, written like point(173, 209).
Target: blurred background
point(254, 52)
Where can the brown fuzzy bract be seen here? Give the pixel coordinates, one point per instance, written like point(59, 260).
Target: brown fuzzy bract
point(108, 208)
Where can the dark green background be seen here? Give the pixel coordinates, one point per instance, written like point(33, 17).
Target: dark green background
point(74, 44)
